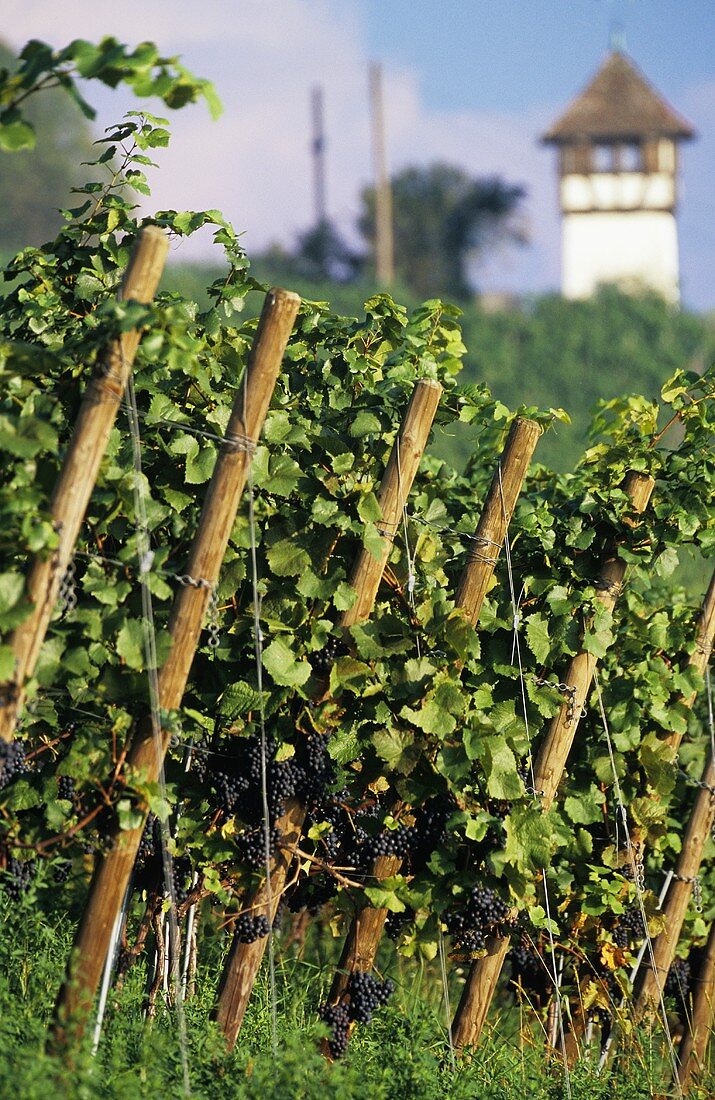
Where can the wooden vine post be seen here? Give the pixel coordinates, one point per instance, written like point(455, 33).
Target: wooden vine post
point(244, 959)
point(698, 1028)
point(363, 939)
point(549, 767)
point(704, 635)
point(78, 474)
point(652, 975)
point(145, 757)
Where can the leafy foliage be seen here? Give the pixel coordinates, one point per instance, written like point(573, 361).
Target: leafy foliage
point(422, 717)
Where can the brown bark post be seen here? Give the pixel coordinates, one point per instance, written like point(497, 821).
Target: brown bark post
point(698, 1029)
point(79, 472)
point(548, 770)
point(687, 868)
point(363, 938)
point(705, 632)
point(112, 872)
point(244, 959)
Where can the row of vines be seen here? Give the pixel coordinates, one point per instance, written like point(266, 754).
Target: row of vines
point(360, 769)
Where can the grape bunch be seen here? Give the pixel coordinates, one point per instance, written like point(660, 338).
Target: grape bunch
point(528, 970)
point(65, 787)
point(12, 762)
point(483, 912)
point(629, 927)
point(251, 847)
point(248, 928)
point(366, 994)
point(338, 1020)
point(18, 877)
point(150, 841)
point(181, 874)
point(322, 661)
point(61, 871)
point(677, 985)
point(396, 923)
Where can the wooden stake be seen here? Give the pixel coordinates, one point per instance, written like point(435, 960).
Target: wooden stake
point(363, 938)
point(705, 632)
point(651, 977)
point(548, 770)
point(79, 472)
point(208, 548)
point(694, 1044)
point(496, 516)
point(244, 959)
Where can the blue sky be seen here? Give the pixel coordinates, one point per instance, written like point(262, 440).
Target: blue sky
point(471, 82)
point(511, 54)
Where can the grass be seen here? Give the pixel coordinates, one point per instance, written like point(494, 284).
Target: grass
point(402, 1055)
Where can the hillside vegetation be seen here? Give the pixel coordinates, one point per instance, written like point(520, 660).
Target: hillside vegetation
point(550, 352)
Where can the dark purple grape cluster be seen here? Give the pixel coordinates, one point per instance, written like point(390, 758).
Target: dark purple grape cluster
point(322, 661)
point(396, 923)
point(482, 914)
point(528, 970)
point(315, 769)
point(181, 874)
point(351, 843)
point(248, 928)
point(677, 985)
point(12, 762)
point(61, 870)
point(338, 1020)
point(18, 877)
point(65, 787)
point(150, 843)
point(251, 847)
point(366, 994)
point(629, 927)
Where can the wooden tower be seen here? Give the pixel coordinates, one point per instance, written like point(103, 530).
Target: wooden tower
point(618, 165)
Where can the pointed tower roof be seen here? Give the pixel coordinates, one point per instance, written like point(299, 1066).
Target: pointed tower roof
point(618, 103)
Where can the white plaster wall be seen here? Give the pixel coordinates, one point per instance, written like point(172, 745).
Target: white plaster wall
point(618, 191)
point(631, 248)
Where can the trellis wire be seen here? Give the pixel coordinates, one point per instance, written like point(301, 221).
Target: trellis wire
point(639, 890)
point(516, 649)
point(109, 965)
point(447, 1007)
point(411, 576)
point(145, 558)
point(267, 827)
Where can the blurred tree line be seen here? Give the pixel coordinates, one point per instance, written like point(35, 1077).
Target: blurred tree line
point(36, 183)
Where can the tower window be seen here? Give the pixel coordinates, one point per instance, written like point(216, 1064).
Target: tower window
point(630, 159)
point(603, 159)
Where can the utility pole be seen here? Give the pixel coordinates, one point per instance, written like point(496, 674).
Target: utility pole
point(318, 150)
point(384, 242)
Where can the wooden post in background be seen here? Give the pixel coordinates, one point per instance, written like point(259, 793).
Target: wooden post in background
point(244, 959)
point(652, 976)
point(384, 236)
point(114, 868)
point(698, 1029)
point(79, 472)
point(704, 634)
point(363, 938)
point(548, 770)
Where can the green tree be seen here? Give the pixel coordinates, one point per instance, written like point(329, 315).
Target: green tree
point(443, 221)
point(35, 183)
